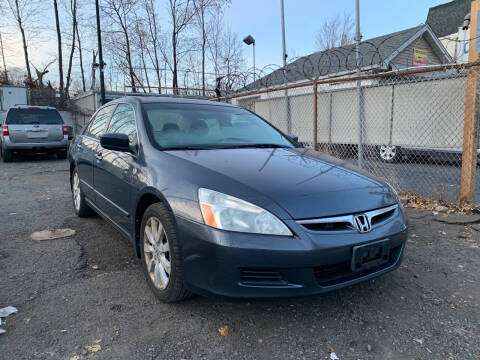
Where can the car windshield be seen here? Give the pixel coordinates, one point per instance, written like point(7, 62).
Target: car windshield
point(180, 126)
point(33, 116)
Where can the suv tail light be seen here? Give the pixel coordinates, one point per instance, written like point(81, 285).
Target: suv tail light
point(5, 130)
point(65, 130)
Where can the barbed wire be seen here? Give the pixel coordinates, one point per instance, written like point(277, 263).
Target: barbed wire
point(369, 56)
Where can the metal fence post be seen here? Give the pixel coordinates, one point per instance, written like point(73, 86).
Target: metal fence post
point(315, 117)
point(360, 124)
point(358, 38)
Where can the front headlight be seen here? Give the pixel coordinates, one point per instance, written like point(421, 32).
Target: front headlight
point(226, 212)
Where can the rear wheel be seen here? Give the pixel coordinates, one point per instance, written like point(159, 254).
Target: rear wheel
point(7, 155)
point(161, 255)
point(79, 204)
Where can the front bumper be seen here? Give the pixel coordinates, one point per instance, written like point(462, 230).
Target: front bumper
point(243, 266)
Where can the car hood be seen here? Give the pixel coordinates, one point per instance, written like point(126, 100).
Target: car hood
point(303, 182)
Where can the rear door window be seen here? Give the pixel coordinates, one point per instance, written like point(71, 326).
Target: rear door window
point(33, 116)
point(96, 128)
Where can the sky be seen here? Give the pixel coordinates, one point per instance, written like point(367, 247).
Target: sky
point(261, 19)
point(303, 18)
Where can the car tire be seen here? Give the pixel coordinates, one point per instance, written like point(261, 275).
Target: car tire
point(61, 155)
point(7, 155)
point(160, 253)
point(79, 204)
point(388, 153)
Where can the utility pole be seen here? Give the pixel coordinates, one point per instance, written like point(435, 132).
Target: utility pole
point(287, 100)
point(470, 125)
point(100, 55)
point(3, 58)
point(358, 39)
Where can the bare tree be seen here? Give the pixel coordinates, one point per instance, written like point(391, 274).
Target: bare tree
point(202, 8)
point(16, 76)
point(214, 40)
point(181, 14)
point(335, 32)
point(233, 60)
point(154, 37)
point(59, 46)
point(23, 13)
point(73, 12)
point(42, 73)
point(141, 37)
point(121, 13)
point(80, 56)
point(4, 79)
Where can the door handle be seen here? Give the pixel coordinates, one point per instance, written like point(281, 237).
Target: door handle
point(99, 157)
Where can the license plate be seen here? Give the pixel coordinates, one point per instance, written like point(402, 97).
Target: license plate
point(367, 256)
point(37, 134)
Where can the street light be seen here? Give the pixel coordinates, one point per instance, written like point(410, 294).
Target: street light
point(249, 40)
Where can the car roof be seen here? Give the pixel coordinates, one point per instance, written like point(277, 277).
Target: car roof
point(169, 100)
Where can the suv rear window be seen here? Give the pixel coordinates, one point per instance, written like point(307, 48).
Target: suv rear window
point(33, 116)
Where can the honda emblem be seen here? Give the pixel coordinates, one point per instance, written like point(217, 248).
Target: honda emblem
point(362, 223)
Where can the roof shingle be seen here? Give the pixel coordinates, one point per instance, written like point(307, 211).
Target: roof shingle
point(445, 19)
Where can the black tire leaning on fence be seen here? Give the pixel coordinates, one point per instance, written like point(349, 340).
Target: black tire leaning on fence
point(388, 153)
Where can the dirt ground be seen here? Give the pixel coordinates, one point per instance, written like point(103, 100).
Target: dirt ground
point(85, 296)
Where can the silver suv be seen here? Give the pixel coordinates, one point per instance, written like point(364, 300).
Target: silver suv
point(33, 128)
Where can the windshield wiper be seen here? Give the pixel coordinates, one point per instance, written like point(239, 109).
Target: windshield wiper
point(224, 146)
point(190, 147)
point(268, 146)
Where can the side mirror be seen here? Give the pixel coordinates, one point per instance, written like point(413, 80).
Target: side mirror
point(118, 142)
point(293, 137)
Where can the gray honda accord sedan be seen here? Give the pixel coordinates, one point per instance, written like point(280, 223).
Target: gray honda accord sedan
point(216, 201)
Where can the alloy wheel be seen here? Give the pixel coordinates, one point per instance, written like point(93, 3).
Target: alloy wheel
point(157, 253)
point(76, 191)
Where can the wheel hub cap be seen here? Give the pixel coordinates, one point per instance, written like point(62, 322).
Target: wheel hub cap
point(76, 191)
point(388, 152)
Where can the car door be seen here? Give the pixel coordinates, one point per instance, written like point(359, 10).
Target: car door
point(86, 149)
point(114, 170)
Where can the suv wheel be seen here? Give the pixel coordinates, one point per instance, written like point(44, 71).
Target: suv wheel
point(79, 203)
point(61, 155)
point(7, 155)
point(161, 255)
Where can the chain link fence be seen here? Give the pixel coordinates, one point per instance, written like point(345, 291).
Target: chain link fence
point(405, 127)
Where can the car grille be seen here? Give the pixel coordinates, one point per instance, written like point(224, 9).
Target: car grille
point(328, 275)
point(347, 222)
point(261, 277)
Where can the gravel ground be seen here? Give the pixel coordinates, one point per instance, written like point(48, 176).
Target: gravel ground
point(86, 296)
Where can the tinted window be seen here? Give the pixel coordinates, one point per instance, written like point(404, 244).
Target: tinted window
point(123, 122)
point(180, 125)
point(97, 125)
point(33, 116)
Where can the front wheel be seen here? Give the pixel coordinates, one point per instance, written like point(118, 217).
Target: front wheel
point(160, 252)
point(388, 153)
